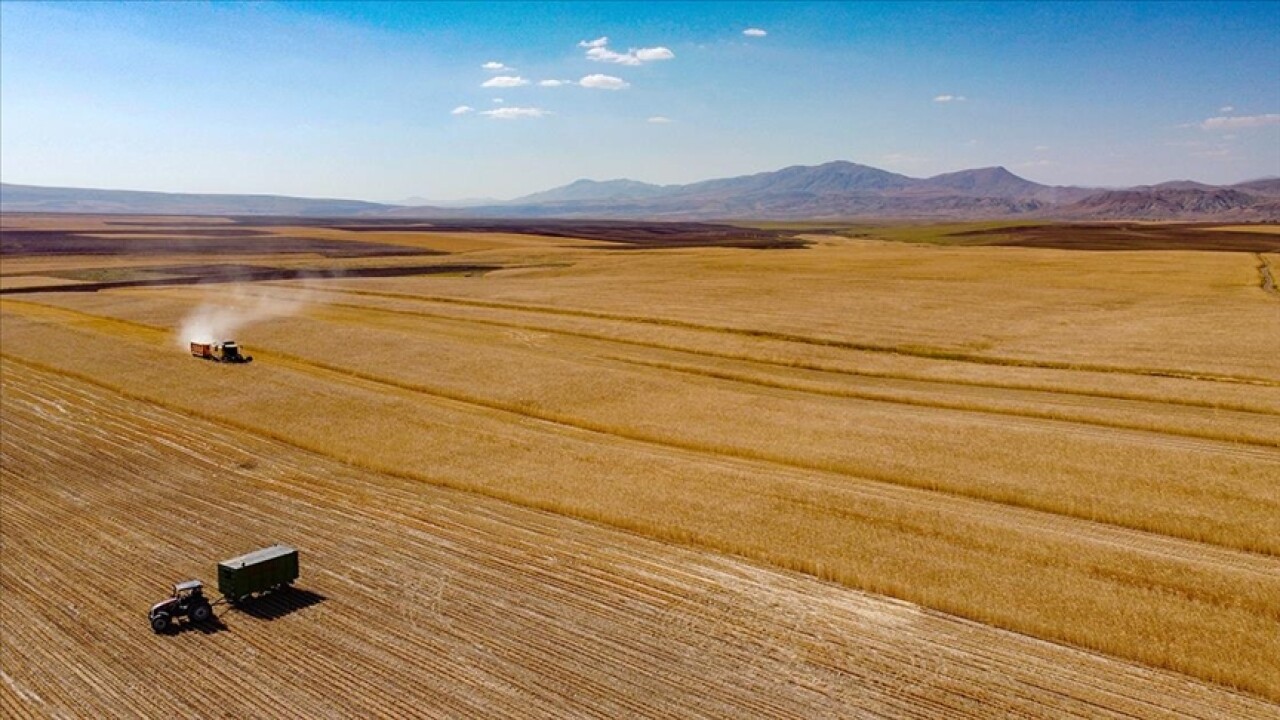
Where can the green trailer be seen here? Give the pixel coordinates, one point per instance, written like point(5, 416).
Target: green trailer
point(260, 571)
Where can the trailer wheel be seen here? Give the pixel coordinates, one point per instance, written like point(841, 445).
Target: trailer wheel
point(160, 623)
point(201, 613)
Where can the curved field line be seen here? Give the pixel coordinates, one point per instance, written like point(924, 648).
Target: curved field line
point(785, 364)
point(1047, 415)
point(721, 451)
point(904, 350)
point(969, 404)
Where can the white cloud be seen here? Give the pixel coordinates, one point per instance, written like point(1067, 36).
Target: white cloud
point(1238, 122)
point(1042, 148)
point(495, 66)
point(554, 83)
point(504, 81)
point(949, 98)
point(604, 82)
point(754, 32)
point(462, 110)
point(653, 53)
point(1227, 109)
point(603, 54)
point(514, 113)
point(498, 101)
point(597, 50)
point(659, 120)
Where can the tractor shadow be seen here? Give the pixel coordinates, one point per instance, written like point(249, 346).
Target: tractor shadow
point(209, 627)
point(280, 603)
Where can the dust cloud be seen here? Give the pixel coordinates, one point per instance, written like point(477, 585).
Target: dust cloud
point(235, 311)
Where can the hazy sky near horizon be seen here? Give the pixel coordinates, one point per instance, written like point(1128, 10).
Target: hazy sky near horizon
point(450, 101)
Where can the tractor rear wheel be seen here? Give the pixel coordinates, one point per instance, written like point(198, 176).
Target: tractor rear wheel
point(201, 613)
point(160, 622)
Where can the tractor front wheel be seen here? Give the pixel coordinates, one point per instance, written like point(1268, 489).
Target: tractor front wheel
point(160, 622)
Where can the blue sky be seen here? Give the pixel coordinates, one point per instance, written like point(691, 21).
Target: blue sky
point(362, 100)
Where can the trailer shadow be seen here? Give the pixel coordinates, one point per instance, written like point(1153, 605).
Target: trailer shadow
point(280, 603)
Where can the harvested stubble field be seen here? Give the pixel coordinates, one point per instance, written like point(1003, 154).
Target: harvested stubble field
point(1078, 447)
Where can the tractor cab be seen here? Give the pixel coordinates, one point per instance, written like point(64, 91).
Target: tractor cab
point(184, 590)
point(188, 601)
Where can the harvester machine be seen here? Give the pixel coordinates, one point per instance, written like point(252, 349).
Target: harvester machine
point(226, 351)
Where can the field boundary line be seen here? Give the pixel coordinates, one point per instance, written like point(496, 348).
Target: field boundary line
point(904, 350)
point(798, 364)
point(733, 377)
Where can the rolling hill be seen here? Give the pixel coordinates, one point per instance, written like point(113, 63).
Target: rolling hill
point(33, 198)
point(832, 191)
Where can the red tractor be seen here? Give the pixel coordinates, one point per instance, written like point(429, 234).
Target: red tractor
point(188, 601)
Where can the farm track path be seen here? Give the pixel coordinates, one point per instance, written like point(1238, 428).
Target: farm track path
point(1268, 277)
point(417, 600)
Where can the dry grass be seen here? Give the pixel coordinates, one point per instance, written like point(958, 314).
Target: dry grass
point(1075, 446)
point(422, 601)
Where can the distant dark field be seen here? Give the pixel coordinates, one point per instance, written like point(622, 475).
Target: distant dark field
point(219, 273)
point(623, 232)
point(152, 236)
point(185, 241)
point(247, 236)
point(1128, 236)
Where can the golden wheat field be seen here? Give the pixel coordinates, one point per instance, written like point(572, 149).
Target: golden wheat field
point(560, 475)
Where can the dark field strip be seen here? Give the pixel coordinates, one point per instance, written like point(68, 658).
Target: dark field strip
point(213, 274)
point(1127, 236)
point(628, 233)
point(37, 243)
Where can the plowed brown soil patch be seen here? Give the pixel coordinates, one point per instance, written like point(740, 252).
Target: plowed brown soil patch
point(1130, 236)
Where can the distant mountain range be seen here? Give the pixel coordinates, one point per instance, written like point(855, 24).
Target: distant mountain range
point(832, 191)
point(33, 198)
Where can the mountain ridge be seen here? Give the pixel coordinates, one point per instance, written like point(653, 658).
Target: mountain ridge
point(837, 190)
